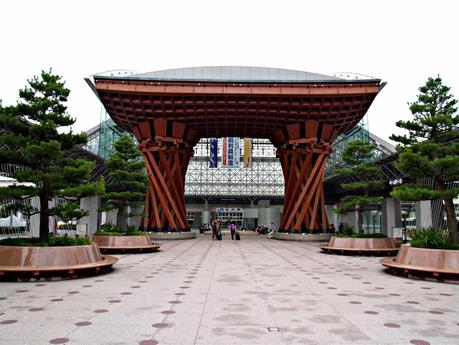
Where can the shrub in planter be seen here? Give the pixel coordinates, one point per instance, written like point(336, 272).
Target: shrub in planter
point(109, 229)
point(348, 231)
point(378, 235)
point(52, 242)
point(432, 238)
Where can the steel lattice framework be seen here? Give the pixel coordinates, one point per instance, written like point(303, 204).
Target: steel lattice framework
point(263, 179)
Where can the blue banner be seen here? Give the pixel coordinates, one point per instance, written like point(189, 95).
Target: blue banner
point(213, 152)
point(231, 152)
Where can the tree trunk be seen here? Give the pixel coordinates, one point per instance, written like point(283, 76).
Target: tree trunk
point(451, 220)
point(359, 219)
point(44, 214)
point(121, 219)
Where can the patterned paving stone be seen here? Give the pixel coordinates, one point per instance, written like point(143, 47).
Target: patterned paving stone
point(419, 342)
point(36, 309)
point(236, 290)
point(100, 311)
point(59, 341)
point(148, 342)
point(8, 322)
point(83, 323)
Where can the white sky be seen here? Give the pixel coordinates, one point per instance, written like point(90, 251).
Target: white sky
point(402, 42)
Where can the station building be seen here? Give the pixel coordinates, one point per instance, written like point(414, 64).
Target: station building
point(250, 190)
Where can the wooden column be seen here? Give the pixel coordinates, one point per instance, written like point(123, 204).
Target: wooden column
point(303, 154)
point(166, 149)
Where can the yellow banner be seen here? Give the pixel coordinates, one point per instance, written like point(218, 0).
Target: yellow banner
point(247, 152)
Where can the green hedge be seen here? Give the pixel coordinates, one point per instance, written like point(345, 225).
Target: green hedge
point(363, 235)
point(431, 238)
point(52, 242)
point(115, 233)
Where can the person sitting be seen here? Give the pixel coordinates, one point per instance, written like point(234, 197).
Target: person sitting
point(272, 230)
point(332, 228)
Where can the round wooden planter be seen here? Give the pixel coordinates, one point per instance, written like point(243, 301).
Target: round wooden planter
point(36, 262)
point(120, 244)
point(361, 246)
point(423, 261)
point(304, 237)
point(171, 236)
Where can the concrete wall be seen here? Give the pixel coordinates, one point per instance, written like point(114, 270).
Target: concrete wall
point(268, 214)
point(424, 214)
point(349, 218)
point(92, 221)
point(332, 216)
point(136, 220)
point(391, 216)
point(250, 212)
point(262, 211)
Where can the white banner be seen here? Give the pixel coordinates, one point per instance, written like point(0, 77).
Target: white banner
point(231, 153)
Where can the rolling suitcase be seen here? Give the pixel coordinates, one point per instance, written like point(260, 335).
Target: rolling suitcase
point(238, 237)
point(219, 236)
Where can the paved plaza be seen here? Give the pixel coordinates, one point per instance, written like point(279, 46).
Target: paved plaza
point(253, 291)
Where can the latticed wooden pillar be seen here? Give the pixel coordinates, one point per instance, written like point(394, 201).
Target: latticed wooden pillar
point(303, 149)
point(304, 207)
point(167, 153)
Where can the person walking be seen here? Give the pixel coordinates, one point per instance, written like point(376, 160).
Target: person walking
point(232, 229)
point(215, 227)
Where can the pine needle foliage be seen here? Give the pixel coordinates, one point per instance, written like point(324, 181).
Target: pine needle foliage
point(430, 150)
point(357, 158)
point(129, 178)
point(35, 136)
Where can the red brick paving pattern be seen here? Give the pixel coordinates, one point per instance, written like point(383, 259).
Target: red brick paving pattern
point(83, 323)
point(8, 322)
point(59, 341)
point(148, 342)
point(419, 342)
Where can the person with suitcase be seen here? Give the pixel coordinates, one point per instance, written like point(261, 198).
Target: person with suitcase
point(232, 229)
point(215, 229)
point(238, 237)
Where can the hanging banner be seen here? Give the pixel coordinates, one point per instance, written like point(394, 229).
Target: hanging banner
point(237, 152)
point(213, 154)
point(231, 154)
point(225, 152)
point(247, 152)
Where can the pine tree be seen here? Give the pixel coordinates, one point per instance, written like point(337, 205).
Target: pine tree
point(127, 188)
point(34, 138)
point(366, 177)
point(431, 150)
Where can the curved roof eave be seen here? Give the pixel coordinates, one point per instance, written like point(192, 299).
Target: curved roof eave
point(236, 74)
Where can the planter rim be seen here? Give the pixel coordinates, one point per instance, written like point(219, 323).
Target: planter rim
point(361, 249)
point(107, 260)
point(392, 262)
point(420, 248)
point(124, 243)
point(371, 241)
point(79, 245)
point(48, 251)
